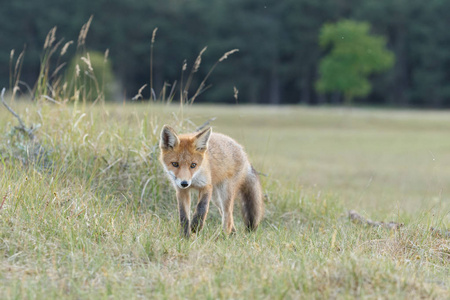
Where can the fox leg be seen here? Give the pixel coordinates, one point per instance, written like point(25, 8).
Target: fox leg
point(223, 198)
point(227, 215)
point(184, 204)
point(227, 218)
point(201, 211)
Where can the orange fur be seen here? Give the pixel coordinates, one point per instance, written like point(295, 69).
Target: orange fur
point(218, 167)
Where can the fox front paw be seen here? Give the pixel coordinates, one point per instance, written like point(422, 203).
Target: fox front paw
point(197, 224)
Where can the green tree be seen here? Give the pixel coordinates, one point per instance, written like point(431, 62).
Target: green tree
point(354, 55)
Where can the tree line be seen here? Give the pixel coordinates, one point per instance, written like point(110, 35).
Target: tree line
point(278, 41)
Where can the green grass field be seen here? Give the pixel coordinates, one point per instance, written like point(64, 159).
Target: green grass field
point(386, 161)
point(87, 213)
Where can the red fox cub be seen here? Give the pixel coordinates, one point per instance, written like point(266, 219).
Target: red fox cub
point(216, 166)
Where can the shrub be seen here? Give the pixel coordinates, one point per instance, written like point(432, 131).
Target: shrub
point(90, 77)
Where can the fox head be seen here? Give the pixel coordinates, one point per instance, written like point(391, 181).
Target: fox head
point(182, 155)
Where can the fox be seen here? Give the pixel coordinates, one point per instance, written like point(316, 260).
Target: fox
point(218, 168)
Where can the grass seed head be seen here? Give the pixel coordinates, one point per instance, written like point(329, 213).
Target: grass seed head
point(65, 47)
point(106, 55)
point(225, 56)
point(198, 60)
point(154, 34)
point(50, 39)
point(84, 31)
point(87, 61)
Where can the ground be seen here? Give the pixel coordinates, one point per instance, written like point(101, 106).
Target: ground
point(86, 212)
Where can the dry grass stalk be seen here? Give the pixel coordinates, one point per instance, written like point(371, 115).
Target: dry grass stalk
point(205, 124)
point(50, 39)
point(11, 58)
point(26, 86)
point(151, 61)
point(198, 60)
point(183, 68)
point(225, 56)
point(16, 89)
point(15, 77)
point(106, 56)
point(202, 87)
point(154, 35)
point(18, 62)
point(43, 84)
point(58, 69)
point(84, 31)
point(77, 70)
point(52, 51)
point(194, 69)
point(172, 92)
point(139, 94)
point(87, 61)
point(50, 99)
point(65, 47)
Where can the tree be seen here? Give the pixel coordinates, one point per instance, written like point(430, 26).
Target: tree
point(302, 20)
point(355, 54)
point(279, 52)
point(429, 41)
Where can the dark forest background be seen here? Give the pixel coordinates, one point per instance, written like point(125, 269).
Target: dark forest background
point(278, 56)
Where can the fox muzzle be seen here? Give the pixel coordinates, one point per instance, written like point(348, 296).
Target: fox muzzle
point(183, 184)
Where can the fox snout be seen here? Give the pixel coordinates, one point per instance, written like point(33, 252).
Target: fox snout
point(183, 184)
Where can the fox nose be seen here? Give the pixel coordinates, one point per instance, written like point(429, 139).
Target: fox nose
point(184, 184)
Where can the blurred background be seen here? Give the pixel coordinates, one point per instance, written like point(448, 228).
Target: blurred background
point(281, 57)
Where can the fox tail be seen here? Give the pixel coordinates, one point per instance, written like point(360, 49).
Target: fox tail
point(252, 200)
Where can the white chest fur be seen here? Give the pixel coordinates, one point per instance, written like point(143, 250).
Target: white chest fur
point(199, 179)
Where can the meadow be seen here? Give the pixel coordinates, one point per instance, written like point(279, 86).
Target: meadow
point(86, 212)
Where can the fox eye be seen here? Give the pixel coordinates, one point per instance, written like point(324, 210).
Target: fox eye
point(193, 165)
point(175, 164)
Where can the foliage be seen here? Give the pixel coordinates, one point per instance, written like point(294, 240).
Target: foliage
point(278, 41)
point(355, 54)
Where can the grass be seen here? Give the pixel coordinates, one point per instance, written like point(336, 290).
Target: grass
point(86, 212)
point(92, 216)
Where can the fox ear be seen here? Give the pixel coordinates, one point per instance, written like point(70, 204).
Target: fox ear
point(169, 138)
point(202, 138)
